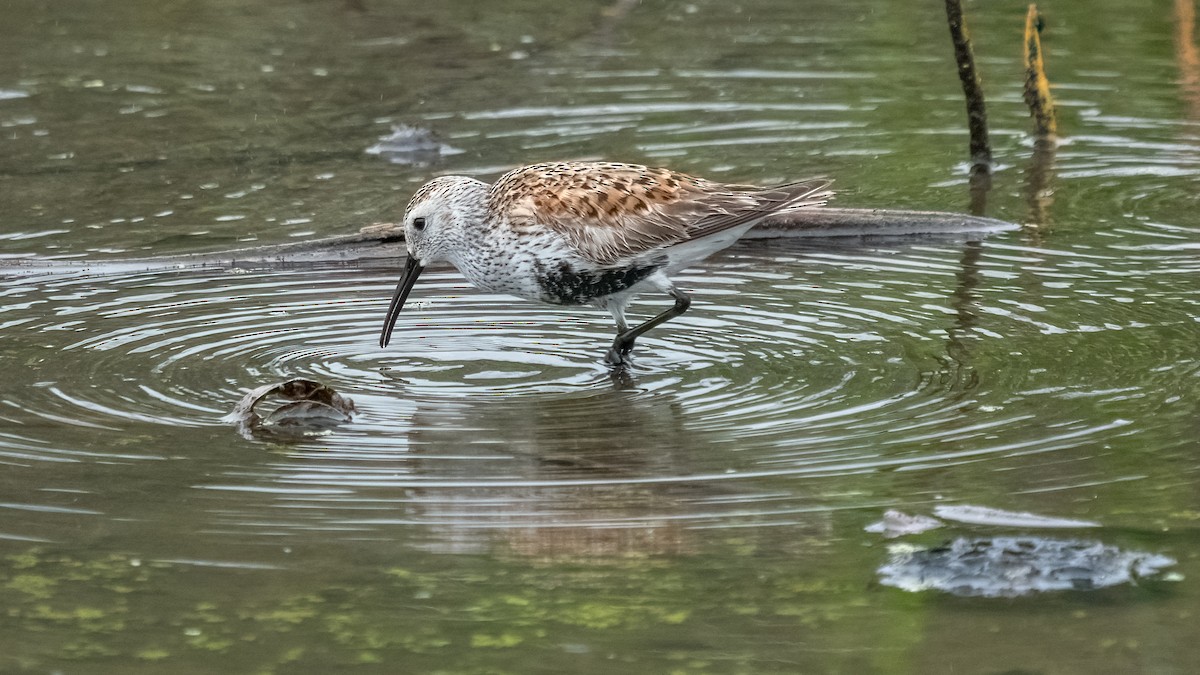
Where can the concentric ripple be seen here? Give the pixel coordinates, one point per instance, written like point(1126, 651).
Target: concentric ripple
point(796, 363)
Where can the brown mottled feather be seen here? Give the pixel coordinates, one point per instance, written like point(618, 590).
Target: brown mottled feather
point(609, 211)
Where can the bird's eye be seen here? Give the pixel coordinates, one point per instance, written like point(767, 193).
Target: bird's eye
point(418, 224)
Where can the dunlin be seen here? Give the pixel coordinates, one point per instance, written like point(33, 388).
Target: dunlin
point(577, 233)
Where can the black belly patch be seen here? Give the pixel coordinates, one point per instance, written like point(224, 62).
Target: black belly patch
point(563, 285)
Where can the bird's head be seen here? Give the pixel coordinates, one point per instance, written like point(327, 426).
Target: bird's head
point(435, 226)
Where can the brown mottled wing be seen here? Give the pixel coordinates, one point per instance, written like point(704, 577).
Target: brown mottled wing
point(610, 211)
point(779, 199)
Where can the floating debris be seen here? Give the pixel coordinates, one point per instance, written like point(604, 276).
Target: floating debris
point(312, 409)
point(982, 515)
point(897, 524)
point(1015, 566)
point(411, 145)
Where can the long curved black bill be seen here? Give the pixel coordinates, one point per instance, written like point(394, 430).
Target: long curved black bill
point(412, 270)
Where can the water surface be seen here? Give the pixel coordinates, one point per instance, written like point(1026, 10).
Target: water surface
point(501, 503)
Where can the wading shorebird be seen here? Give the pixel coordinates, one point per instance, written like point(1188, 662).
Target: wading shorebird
point(584, 233)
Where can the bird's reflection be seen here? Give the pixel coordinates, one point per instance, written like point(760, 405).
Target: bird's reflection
point(551, 475)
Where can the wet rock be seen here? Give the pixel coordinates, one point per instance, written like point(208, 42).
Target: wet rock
point(1015, 566)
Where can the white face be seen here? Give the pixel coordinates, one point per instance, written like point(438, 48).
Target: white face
point(421, 231)
point(439, 213)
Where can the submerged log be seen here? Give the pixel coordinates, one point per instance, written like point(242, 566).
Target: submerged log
point(385, 241)
point(838, 222)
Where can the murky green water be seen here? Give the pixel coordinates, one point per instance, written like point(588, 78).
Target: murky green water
point(499, 504)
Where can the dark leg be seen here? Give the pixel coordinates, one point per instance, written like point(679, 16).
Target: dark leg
point(619, 352)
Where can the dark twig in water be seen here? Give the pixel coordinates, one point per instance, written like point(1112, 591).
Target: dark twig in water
point(1037, 87)
point(981, 150)
point(958, 353)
